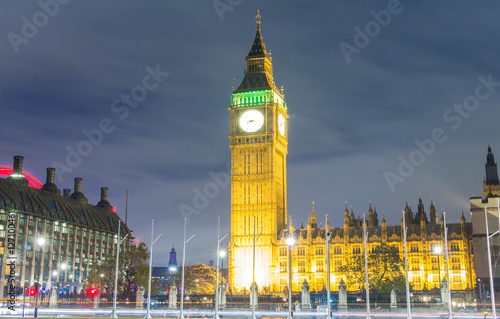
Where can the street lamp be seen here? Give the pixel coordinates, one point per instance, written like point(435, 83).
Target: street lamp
point(437, 250)
point(40, 242)
point(148, 308)
point(290, 241)
point(327, 244)
point(181, 312)
point(115, 292)
point(216, 315)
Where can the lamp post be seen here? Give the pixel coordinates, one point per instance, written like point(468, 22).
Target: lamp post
point(437, 250)
point(40, 242)
point(181, 314)
point(254, 284)
point(290, 241)
point(365, 235)
point(148, 307)
point(407, 279)
point(115, 292)
point(327, 244)
point(450, 311)
point(216, 313)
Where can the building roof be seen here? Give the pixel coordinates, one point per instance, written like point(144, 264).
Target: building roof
point(49, 205)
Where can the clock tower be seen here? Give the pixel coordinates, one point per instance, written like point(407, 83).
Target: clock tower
point(258, 142)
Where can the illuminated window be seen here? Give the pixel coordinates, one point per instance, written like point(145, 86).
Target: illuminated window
point(301, 251)
point(414, 249)
point(337, 250)
point(319, 266)
point(302, 266)
point(319, 250)
point(283, 252)
point(415, 264)
point(356, 250)
point(338, 265)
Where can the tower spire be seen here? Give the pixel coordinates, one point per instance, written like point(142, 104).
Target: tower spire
point(491, 183)
point(258, 16)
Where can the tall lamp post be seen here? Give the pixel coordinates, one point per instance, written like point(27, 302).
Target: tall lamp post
point(290, 241)
point(115, 293)
point(327, 244)
point(148, 307)
point(219, 254)
point(437, 250)
point(254, 284)
point(40, 242)
point(181, 313)
point(365, 236)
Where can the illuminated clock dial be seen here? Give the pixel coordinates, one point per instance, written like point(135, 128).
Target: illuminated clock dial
point(281, 124)
point(251, 121)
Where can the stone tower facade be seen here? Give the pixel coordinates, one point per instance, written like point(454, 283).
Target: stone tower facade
point(258, 142)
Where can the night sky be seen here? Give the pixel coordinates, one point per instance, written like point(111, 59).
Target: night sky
point(364, 88)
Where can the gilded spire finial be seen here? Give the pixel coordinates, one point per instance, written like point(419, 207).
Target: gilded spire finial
point(258, 16)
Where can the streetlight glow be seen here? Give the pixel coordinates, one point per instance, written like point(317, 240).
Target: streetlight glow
point(222, 254)
point(290, 241)
point(437, 249)
point(40, 241)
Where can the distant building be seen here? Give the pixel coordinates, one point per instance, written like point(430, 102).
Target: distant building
point(49, 238)
point(172, 262)
point(478, 205)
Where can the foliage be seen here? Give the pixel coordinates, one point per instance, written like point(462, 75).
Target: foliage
point(201, 279)
point(133, 271)
point(385, 269)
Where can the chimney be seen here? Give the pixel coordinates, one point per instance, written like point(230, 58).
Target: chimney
point(77, 194)
point(49, 185)
point(104, 193)
point(66, 192)
point(104, 199)
point(18, 165)
point(51, 174)
point(78, 185)
point(17, 171)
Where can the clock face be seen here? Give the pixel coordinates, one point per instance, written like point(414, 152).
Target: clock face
point(281, 124)
point(251, 121)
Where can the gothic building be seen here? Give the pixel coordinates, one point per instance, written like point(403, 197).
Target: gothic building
point(426, 268)
point(258, 140)
point(48, 238)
